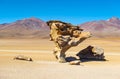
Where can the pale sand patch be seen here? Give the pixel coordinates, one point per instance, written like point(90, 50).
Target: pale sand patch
point(39, 69)
point(45, 66)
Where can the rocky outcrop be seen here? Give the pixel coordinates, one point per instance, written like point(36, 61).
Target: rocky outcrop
point(92, 52)
point(65, 36)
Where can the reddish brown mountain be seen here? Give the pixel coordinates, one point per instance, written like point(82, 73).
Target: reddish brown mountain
point(27, 28)
point(36, 28)
point(103, 28)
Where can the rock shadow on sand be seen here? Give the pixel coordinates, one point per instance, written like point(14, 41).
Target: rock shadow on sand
point(71, 58)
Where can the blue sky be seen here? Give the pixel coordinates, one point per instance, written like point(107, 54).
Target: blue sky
point(73, 11)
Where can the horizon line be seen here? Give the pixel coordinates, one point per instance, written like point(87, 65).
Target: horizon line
point(4, 21)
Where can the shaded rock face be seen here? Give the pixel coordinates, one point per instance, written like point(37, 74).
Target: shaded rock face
point(65, 36)
point(26, 28)
point(92, 52)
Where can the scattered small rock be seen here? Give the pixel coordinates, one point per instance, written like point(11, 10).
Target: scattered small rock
point(21, 57)
point(76, 62)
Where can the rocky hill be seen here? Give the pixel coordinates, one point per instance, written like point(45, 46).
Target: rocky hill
point(36, 28)
point(26, 28)
point(103, 28)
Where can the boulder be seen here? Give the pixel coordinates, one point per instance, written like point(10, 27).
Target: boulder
point(92, 52)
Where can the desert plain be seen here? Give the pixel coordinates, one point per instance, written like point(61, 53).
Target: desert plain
point(45, 66)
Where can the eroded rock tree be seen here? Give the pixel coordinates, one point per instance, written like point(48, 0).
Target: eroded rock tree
point(65, 36)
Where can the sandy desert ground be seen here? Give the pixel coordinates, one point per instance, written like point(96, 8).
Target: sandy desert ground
point(45, 66)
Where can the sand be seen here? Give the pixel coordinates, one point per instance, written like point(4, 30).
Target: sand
point(45, 66)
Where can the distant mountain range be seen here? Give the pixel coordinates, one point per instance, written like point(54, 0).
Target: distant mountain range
point(36, 28)
point(26, 28)
point(103, 28)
